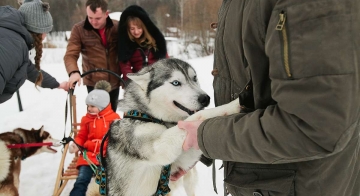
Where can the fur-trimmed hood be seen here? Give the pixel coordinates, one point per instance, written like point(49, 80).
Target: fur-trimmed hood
point(126, 47)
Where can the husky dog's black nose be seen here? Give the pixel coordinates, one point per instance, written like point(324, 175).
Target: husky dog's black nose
point(204, 99)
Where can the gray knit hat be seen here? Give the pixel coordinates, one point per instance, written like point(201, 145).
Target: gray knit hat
point(99, 97)
point(37, 16)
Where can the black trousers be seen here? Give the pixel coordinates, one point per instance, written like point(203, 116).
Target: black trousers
point(114, 96)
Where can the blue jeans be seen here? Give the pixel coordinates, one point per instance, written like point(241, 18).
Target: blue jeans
point(82, 181)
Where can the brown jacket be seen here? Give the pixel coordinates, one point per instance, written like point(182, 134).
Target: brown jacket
point(296, 65)
point(86, 40)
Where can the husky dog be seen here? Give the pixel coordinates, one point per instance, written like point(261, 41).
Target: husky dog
point(166, 92)
point(10, 158)
point(147, 138)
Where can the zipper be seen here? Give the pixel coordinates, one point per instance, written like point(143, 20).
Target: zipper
point(282, 28)
point(145, 57)
point(107, 52)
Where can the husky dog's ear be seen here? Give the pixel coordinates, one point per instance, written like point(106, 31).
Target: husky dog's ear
point(142, 79)
point(41, 130)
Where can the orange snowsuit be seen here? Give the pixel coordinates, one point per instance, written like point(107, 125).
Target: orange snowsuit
point(92, 130)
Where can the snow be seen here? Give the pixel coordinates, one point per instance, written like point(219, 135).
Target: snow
point(47, 107)
point(115, 15)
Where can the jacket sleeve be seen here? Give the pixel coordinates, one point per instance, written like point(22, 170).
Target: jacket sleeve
point(316, 113)
point(125, 68)
point(73, 50)
point(2, 83)
point(10, 60)
point(48, 80)
point(82, 135)
point(306, 124)
point(13, 59)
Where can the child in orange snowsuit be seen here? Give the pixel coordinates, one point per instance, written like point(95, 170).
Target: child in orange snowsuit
point(93, 127)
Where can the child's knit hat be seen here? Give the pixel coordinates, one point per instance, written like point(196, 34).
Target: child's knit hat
point(37, 16)
point(99, 97)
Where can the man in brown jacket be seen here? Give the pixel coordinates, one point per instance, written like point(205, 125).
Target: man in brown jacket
point(96, 39)
point(295, 66)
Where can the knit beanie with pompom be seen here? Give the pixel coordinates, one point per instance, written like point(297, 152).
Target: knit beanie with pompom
point(99, 97)
point(37, 16)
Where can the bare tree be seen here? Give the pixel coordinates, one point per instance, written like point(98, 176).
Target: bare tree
point(191, 18)
point(197, 17)
point(12, 3)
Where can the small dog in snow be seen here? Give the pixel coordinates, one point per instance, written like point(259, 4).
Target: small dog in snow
point(10, 158)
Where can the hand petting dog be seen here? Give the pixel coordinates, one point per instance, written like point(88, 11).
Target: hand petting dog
point(191, 128)
point(192, 123)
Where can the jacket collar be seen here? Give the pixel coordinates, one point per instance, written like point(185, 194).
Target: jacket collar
point(89, 27)
point(101, 114)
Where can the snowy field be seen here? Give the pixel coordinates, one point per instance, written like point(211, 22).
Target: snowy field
point(47, 107)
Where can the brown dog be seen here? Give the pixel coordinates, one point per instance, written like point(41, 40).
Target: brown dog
point(11, 154)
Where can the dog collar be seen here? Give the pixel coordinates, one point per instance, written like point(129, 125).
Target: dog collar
point(23, 150)
point(134, 114)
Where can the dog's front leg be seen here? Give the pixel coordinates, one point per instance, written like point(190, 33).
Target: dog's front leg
point(168, 146)
point(223, 110)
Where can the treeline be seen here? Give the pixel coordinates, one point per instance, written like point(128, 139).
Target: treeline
point(186, 19)
point(183, 14)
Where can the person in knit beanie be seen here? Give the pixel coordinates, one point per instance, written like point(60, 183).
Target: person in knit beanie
point(20, 31)
point(94, 125)
point(38, 22)
point(99, 97)
point(37, 16)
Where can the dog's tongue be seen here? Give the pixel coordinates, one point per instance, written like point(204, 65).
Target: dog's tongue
point(55, 144)
point(52, 149)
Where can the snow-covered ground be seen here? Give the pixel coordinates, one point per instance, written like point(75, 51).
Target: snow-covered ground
point(47, 107)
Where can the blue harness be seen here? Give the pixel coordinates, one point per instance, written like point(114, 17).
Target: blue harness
point(163, 185)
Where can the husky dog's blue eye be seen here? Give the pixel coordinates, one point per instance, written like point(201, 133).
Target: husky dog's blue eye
point(176, 83)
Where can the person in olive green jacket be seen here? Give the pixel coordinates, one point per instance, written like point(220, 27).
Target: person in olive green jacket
point(295, 66)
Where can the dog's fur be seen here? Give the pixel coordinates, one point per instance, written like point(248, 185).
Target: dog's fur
point(137, 150)
point(10, 159)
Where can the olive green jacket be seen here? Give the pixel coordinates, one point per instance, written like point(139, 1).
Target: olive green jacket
point(296, 65)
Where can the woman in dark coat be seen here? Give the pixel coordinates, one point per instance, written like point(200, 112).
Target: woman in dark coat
point(20, 31)
point(140, 42)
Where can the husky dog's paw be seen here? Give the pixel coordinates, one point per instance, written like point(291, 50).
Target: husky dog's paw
point(224, 110)
point(93, 189)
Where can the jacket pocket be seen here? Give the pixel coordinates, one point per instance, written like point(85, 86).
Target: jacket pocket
point(310, 39)
point(284, 40)
point(261, 182)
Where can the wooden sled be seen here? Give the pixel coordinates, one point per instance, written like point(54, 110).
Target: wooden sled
point(71, 173)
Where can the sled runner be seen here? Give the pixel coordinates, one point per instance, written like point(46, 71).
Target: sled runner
point(71, 172)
